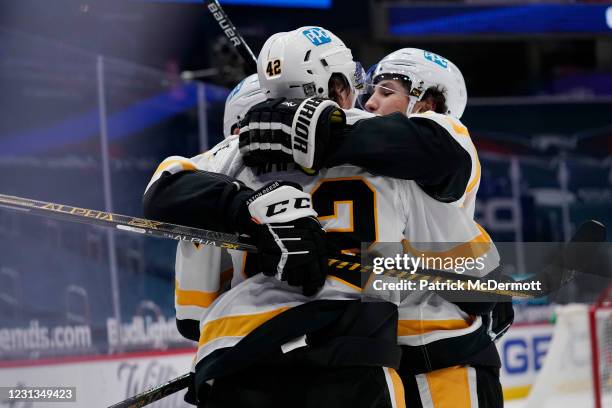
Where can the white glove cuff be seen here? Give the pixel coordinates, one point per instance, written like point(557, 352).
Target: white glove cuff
point(281, 204)
point(304, 128)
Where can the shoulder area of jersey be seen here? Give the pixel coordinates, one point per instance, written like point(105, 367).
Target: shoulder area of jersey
point(453, 125)
point(219, 152)
point(353, 115)
point(228, 143)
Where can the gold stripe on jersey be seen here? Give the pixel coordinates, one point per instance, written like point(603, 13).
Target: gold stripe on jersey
point(463, 131)
point(458, 128)
point(483, 232)
point(185, 165)
point(173, 164)
point(193, 297)
point(450, 388)
point(474, 248)
point(396, 388)
point(416, 327)
point(476, 178)
point(235, 326)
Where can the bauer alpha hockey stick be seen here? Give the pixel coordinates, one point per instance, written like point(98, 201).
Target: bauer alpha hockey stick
point(154, 394)
point(590, 231)
point(125, 223)
point(232, 34)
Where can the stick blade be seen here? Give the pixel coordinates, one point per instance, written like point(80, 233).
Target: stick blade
point(590, 231)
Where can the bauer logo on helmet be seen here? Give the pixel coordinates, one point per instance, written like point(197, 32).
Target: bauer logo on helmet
point(317, 36)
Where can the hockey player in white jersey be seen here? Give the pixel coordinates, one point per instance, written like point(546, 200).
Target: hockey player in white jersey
point(203, 272)
point(263, 319)
point(433, 149)
point(421, 84)
point(431, 88)
point(191, 196)
point(424, 95)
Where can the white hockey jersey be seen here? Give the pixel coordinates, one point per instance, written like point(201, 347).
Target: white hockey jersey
point(347, 200)
point(460, 134)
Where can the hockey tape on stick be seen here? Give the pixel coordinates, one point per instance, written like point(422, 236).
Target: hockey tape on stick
point(155, 394)
point(232, 34)
point(560, 274)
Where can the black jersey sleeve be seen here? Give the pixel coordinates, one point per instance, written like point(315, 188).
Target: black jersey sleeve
point(411, 149)
point(198, 199)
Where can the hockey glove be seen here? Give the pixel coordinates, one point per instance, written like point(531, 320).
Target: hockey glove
point(290, 130)
point(289, 239)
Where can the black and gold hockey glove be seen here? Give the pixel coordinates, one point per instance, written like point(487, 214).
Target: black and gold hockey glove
point(290, 130)
point(290, 241)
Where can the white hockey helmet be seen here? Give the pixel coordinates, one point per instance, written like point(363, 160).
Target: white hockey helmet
point(424, 69)
point(299, 64)
point(244, 95)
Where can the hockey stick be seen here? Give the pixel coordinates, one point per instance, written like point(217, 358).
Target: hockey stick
point(125, 223)
point(232, 34)
point(590, 231)
point(154, 394)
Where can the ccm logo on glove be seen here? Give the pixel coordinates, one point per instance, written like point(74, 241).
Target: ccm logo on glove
point(290, 241)
point(280, 202)
point(281, 207)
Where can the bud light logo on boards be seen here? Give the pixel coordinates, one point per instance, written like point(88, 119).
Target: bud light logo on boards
point(317, 36)
point(435, 58)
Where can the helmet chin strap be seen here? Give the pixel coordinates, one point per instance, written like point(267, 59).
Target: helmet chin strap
point(354, 98)
point(412, 100)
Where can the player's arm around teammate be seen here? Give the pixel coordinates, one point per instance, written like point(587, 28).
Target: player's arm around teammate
point(353, 352)
point(435, 150)
point(278, 217)
point(465, 363)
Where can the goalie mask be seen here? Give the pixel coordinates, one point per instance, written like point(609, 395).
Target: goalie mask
point(300, 63)
point(420, 70)
point(244, 95)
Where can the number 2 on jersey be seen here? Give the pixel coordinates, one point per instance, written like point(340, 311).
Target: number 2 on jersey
point(359, 201)
point(359, 223)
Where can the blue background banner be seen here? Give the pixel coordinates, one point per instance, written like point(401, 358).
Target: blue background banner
point(407, 20)
point(316, 4)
